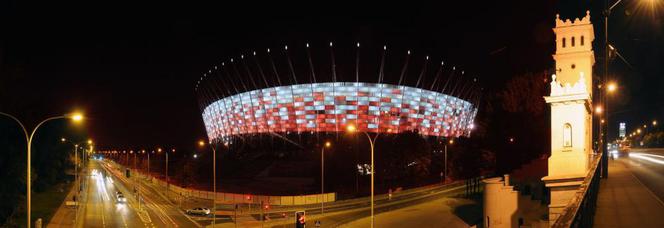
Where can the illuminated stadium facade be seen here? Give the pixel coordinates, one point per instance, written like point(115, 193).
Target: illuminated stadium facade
point(231, 108)
point(330, 107)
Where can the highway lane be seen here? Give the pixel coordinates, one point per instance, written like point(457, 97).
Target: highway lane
point(648, 166)
point(101, 209)
point(161, 211)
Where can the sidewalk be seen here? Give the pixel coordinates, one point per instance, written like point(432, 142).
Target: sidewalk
point(624, 201)
point(65, 216)
point(436, 213)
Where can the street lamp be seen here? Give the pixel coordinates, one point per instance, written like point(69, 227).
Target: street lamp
point(607, 49)
point(444, 176)
point(352, 129)
point(654, 123)
point(75, 117)
point(328, 144)
point(201, 144)
point(611, 87)
point(77, 185)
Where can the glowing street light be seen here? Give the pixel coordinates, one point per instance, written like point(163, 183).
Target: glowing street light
point(77, 117)
point(638, 131)
point(654, 123)
point(599, 110)
point(201, 143)
point(611, 87)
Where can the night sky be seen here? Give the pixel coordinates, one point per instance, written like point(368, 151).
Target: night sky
point(132, 67)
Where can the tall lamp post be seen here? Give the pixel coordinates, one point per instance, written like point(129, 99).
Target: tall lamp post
point(322, 176)
point(201, 143)
point(607, 48)
point(76, 160)
point(77, 184)
point(372, 142)
point(76, 117)
point(450, 142)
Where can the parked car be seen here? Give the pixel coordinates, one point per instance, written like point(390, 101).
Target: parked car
point(199, 211)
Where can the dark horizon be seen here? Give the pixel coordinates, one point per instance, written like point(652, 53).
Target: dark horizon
point(132, 70)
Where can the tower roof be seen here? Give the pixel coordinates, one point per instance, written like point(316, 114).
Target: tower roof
point(573, 22)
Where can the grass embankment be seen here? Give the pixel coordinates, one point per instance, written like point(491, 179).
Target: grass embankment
point(44, 204)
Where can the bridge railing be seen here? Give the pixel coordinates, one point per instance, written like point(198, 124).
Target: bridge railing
point(581, 210)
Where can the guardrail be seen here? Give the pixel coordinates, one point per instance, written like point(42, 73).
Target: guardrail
point(581, 210)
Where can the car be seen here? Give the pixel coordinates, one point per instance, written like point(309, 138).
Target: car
point(120, 198)
point(199, 211)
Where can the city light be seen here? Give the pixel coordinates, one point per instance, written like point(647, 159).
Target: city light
point(351, 128)
point(201, 143)
point(76, 117)
point(451, 141)
point(611, 87)
point(328, 144)
point(599, 109)
point(654, 123)
point(63, 139)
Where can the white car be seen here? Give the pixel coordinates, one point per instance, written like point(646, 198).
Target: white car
point(199, 211)
point(120, 198)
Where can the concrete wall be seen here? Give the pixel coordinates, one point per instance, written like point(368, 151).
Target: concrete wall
point(501, 203)
point(232, 198)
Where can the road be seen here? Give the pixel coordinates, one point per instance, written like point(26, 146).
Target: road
point(104, 178)
point(648, 166)
point(102, 209)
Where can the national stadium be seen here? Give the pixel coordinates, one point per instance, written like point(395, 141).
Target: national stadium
point(272, 111)
point(241, 101)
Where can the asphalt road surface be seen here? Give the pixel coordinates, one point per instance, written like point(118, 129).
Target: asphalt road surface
point(103, 210)
point(648, 166)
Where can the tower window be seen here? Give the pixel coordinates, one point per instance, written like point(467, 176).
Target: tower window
point(567, 135)
point(564, 42)
point(572, 41)
point(581, 40)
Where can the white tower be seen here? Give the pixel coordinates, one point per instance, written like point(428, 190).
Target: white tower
point(571, 111)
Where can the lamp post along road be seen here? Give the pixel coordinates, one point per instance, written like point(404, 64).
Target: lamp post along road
point(322, 177)
point(214, 186)
point(445, 166)
point(372, 142)
point(77, 184)
point(201, 143)
point(75, 117)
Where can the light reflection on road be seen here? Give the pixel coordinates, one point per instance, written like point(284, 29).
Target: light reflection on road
point(658, 159)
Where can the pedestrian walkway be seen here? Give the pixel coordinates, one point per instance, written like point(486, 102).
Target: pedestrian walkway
point(624, 201)
point(436, 213)
point(65, 216)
